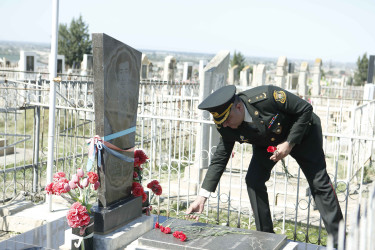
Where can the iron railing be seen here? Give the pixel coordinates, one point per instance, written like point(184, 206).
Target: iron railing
point(167, 126)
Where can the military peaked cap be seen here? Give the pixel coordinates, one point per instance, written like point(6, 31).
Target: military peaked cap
point(219, 103)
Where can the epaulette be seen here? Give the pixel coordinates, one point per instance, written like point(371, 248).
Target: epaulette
point(256, 94)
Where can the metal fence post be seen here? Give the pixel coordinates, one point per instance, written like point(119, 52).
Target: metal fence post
point(36, 138)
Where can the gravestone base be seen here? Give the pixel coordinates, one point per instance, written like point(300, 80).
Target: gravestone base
point(125, 235)
point(248, 240)
point(116, 215)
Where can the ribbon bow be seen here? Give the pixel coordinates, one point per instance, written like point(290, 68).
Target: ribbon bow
point(96, 145)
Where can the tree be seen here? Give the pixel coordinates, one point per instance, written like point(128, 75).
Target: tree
point(74, 41)
point(360, 76)
point(238, 59)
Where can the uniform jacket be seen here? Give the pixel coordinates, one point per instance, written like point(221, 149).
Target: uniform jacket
point(277, 116)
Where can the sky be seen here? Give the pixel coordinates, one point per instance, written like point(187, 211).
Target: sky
point(333, 30)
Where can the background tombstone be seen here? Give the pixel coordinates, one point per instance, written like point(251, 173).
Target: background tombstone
point(116, 88)
point(145, 67)
point(281, 71)
point(60, 69)
point(245, 76)
point(214, 77)
point(170, 66)
point(87, 64)
point(302, 89)
point(27, 62)
point(187, 71)
point(260, 75)
point(233, 75)
point(253, 83)
point(317, 75)
point(202, 65)
point(369, 89)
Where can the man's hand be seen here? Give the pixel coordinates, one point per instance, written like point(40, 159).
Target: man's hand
point(282, 151)
point(196, 207)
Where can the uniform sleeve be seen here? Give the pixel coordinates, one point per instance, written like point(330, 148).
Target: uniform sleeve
point(218, 163)
point(296, 107)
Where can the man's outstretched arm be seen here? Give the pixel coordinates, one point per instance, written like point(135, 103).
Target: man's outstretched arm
point(196, 207)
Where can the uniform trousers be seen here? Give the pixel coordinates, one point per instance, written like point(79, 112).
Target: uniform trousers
point(310, 157)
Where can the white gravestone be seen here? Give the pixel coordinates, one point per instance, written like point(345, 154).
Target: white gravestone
point(233, 75)
point(187, 71)
point(302, 89)
point(281, 71)
point(315, 89)
point(214, 77)
point(170, 67)
point(260, 76)
point(245, 77)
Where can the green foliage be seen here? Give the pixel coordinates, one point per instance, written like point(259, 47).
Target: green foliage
point(74, 41)
point(360, 76)
point(238, 59)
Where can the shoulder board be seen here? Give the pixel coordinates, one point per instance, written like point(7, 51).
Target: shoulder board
point(255, 95)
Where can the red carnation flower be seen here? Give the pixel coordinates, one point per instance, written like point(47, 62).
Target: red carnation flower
point(271, 149)
point(167, 230)
point(57, 176)
point(155, 187)
point(135, 175)
point(59, 187)
point(176, 234)
point(139, 158)
point(93, 177)
point(77, 216)
point(157, 225)
point(182, 236)
point(49, 188)
point(144, 197)
point(157, 190)
point(161, 228)
point(152, 183)
point(137, 189)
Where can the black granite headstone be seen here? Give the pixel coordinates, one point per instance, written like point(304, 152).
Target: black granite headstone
point(116, 86)
point(199, 240)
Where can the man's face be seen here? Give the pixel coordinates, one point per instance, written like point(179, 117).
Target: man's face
point(236, 117)
point(123, 72)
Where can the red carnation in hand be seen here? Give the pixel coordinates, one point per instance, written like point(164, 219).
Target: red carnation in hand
point(93, 177)
point(271, 149)
point(167, 230)
point(139, 157)
point(157, 225)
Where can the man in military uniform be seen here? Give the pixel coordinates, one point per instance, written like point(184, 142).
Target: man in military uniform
point(269, 116)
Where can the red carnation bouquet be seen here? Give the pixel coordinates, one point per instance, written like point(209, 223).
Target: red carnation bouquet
point(137, 189)
point(80, 189)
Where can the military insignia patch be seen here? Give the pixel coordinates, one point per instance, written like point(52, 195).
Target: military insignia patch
point(279, 96)
point(242, 138)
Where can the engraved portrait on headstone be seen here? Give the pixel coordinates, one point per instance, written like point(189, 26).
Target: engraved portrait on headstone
point(120, 107)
